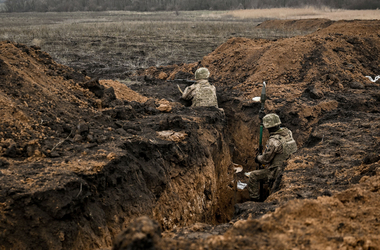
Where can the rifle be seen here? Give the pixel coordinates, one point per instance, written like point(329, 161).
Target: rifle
point(188, 82)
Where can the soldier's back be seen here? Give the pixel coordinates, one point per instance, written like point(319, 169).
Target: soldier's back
point(205, 96)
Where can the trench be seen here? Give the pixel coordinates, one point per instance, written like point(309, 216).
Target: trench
point(196, 181)
point(178, 183)
point(177, 168)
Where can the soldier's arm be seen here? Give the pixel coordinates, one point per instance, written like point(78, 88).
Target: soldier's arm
point(272, 148)
point(214, 89)
point(188, 92)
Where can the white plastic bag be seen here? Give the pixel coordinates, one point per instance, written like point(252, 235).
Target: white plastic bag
point(241, 185)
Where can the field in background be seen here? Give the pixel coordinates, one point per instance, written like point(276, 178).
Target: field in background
point(114, 44)
point(290, 13)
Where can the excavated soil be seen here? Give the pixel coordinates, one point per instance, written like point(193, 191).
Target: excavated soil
point(81, 159)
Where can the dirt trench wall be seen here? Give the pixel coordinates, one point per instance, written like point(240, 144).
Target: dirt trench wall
point(190, 178)
point(88, 160)
point(178, 178)
point(203, 192)
point(242, 129)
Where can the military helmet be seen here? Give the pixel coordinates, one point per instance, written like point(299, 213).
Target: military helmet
point(202, 73)
point(271, 120)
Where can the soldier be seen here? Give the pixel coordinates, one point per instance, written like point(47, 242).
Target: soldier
point(279, 147)
point(201, 93)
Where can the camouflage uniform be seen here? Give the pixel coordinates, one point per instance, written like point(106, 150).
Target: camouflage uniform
point(279, 147)
point(201, 93)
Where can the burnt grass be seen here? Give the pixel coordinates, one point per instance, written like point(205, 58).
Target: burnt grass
point(114, 45)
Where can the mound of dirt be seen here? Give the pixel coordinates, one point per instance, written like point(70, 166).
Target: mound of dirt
point(301, 72)
point(296, 25)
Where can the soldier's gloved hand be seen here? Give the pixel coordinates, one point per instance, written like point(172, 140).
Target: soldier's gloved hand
point(256, 160)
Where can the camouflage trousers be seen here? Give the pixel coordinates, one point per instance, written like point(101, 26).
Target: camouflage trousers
point(267, 176)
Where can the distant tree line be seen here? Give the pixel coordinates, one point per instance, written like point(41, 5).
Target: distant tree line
point(160, 5)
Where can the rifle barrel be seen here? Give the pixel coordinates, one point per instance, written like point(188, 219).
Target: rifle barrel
point(182, 80)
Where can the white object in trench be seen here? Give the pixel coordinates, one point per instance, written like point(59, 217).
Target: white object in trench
point(238, 168)
point(256, 99)
point(241, 185)
point(373, 80)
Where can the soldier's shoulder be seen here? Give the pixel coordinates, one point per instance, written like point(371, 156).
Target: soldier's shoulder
point(288, 131)
point(274, 140)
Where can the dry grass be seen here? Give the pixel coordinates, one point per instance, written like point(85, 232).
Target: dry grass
point(303, 13)
point(114, 44)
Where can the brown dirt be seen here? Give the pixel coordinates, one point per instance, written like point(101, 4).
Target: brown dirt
point(80, 158)
point(317, 84)
point(123, 92)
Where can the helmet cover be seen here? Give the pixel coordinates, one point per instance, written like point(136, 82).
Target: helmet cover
point(271, 120)
point(202, 73)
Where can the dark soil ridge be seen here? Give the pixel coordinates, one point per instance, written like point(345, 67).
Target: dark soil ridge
point(77, 164)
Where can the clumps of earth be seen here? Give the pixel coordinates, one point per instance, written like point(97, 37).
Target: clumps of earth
point(95, 164)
